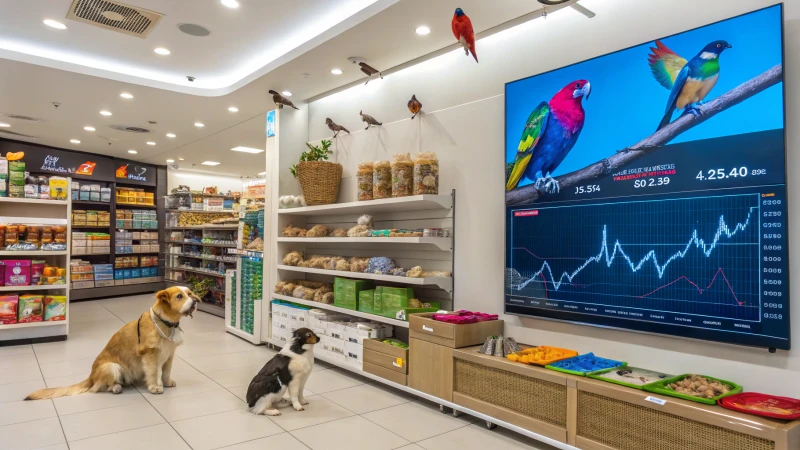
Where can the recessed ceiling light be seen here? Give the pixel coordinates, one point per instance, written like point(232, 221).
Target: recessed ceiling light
point(233, 109)
point(247, 150)
point(75, 141)
point(162, 51)
point(126, 95)
point(4, 125)
point(180, 159)
point(170, 135)
point(170, 160)
point(151, 143)
point(132, 152)
point(210, 163)
point(263, 173)
point(88, 128)
point(105, 113)
point(199, 124)
point(423, 30)
point(286, 93)
point(55, 24)
point(230, 3)
point(336, 71)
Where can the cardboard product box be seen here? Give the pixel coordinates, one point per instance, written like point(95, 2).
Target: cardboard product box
point(345, 292)
point(104, 283)
point(366, 301)
point(385, 355)
point(354, 351)
point(16, 272)
point(423, 327)
point(82, 284)
point(390, 300)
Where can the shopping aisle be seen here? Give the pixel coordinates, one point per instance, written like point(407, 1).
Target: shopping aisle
point(206, 410)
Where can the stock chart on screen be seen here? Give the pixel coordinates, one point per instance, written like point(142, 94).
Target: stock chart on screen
point(688, 238)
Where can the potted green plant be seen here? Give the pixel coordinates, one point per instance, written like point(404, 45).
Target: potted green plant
point(199, 287)
point(319, 178)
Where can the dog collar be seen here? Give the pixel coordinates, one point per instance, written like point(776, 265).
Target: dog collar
point(171, 329)
point(166, 322)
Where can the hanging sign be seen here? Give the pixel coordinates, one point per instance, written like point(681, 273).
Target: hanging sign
point(132, 172)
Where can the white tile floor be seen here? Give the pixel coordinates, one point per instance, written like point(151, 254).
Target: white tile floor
point(206, 410)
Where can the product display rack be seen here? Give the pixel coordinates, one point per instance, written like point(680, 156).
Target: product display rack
point(38, 212)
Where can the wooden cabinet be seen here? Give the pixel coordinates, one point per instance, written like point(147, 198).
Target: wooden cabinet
point(431, 368)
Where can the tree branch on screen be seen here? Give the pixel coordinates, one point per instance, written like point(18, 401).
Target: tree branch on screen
point(606, 166)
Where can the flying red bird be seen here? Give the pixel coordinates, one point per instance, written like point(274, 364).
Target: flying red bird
point(462, 30)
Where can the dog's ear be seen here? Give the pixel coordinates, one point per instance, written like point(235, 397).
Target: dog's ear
point(163, 296)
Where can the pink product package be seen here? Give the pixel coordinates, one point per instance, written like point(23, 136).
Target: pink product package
point(17, 272)
point(464, 317)
point(37, 267)
point(8, 308)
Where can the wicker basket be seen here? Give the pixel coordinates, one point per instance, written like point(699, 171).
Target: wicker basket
point(319, 181)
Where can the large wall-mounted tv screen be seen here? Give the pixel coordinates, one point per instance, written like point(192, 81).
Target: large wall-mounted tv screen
point(645, 189)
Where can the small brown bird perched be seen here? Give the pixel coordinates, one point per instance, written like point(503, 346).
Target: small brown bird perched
point(280, 100)
point(370, 121)
point(369, 70)
point(414, 106)
point(335, 128)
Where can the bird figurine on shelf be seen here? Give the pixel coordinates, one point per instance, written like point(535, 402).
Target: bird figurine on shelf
point(462, 30)
point(335, 128)
point(550, 133)
point(369, 120)
point(689, 82)
point(414, 106)
point(370, 71)
point(281, 101)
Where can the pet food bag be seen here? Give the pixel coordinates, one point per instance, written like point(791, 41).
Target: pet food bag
point(55, 308)
point(8, 308)
point(17, 272)
point(59, 188)
point(31, 308)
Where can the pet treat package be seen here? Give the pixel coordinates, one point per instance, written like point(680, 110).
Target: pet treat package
point(31, 308)
point(37, 268)
point(8, 308)
point(17, 272)
point(55, 308)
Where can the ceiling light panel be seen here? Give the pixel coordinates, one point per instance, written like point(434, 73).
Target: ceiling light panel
point(54, 24)
point(89, 128)
point(233, 109)
point(230, 3)
point(199, 124)
point(126, 95)
point(422, 30)
point(132, 152)
point(162, 51)
point(247, 150)
point(171, 135)
point(105, 113)
point(210, 163)
point(336, 71)
point(286, 93)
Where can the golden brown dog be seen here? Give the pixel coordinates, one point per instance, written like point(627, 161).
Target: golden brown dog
point(141, 351)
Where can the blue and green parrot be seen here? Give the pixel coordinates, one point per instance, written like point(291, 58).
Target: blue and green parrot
point(689, 82)
point(550, 132)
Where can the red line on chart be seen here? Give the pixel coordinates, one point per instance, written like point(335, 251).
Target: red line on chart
point(539, 257)
point(544, 281)
point(699, 289)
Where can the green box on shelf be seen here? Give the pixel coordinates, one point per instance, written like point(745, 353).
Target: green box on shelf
point(662, 387)
point(345, 292)
point(408, 311)
point(366, 301)
point(390, 300)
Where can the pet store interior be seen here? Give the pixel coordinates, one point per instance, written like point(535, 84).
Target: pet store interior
point(398, 224)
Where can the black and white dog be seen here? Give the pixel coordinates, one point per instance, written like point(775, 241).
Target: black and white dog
point(286, 371)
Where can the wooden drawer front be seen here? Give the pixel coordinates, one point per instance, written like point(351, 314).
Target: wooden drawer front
point(431, 327)
point(388, 362)
point(528, 396)
point(625, 426)
point(430, 368)
point(391, 375)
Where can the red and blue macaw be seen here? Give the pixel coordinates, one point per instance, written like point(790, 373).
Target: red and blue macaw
point(462, 30)
point(550, 133)
point(689, 82)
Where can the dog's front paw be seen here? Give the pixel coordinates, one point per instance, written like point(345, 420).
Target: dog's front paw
point(170, 383)
point(298, 407)
point(156, 389)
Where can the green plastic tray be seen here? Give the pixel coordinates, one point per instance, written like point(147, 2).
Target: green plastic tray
point(660, 387)
point(598, 375)
point(575, 372)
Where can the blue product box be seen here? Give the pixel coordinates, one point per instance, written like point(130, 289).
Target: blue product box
point(75, 194)
point(103, 276)
point(127, 274)
point(136, 273)
point(84, 195)
point(103, 268)
point(119, 274)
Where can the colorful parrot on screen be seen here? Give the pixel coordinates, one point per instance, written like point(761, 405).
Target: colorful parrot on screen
point(689, 82)
point(462, 30)
point(550, 133)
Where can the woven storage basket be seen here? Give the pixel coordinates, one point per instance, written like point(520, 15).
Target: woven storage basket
point(319, 181)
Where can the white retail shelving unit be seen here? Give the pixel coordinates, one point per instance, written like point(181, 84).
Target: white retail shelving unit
point(38, 212)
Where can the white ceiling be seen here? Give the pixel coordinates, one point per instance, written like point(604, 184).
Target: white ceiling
point(386, 39)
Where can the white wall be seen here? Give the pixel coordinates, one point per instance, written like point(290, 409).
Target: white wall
point(464, 125)
point(197, 180)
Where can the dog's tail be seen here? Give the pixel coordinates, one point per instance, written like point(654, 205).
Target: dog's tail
point(79, 388)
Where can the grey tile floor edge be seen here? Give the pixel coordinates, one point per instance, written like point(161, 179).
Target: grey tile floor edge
point(206, 410)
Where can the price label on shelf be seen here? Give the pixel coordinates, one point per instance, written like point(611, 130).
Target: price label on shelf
point(655, 400)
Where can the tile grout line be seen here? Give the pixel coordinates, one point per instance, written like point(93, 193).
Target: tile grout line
point(58, 416)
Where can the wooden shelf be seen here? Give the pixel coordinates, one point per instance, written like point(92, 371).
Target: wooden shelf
point(441, 243)
point(388, 205)
point(445, 283)
point(350, 312)
point(33, 201)
point(32, 253)
point(49, 287)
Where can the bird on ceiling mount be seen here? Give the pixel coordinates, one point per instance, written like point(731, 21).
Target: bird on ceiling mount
point(462, 30)
point(281, 101)
point(369, 120)
point(335, 128)
point(414, 106)
point(370, 71)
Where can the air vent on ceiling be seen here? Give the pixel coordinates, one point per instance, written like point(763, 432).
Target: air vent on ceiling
point(116, 16)
point(16, 135)
point(130, 128)
point(21, 117)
